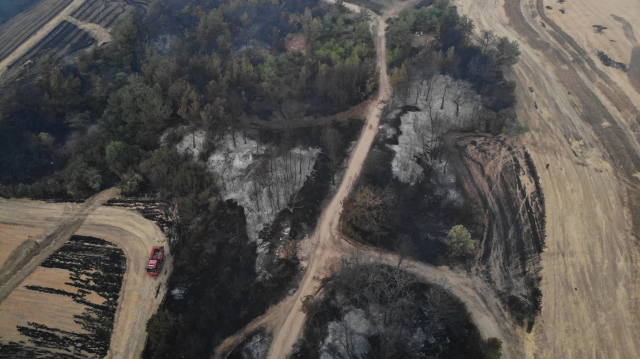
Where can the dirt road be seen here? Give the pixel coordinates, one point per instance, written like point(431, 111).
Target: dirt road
point(583, 120)
point(39, 35)
point(329, 245)
point(327, 237)
point(140, 295)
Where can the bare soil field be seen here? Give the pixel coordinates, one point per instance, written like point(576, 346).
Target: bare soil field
point(17, 30)
point(48, 307)
point(583, 117)
point(67, 306)
point(501, 177)
point(21, 220)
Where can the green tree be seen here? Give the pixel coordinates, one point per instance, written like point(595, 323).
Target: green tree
point(59, 92)
point(494, 348)
point(80, 178)
point(461, 243)
point(120, 157)
point(399, 77)
point(507, 52)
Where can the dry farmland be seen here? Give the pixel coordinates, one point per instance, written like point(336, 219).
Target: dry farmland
point(584, 119)
point(60, 28)
point(17, 30)
point(92, 296)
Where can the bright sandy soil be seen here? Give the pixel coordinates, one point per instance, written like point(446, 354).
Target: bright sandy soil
point(286, 319)
point(18, 222)
point(589, 276)
point(140, 295)
point(38, 36)
point(99, 33)
point(55, 311)
point(53, 224)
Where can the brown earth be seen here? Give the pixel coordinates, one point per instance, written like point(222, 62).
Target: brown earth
point(19, 224)
point(140, 295)
point(502, 179)
point(24, 305)
point(30, 254)
point(584, 128)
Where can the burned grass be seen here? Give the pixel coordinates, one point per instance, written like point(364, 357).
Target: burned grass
point(162, 213)
point(608, 61)
point(95, 272)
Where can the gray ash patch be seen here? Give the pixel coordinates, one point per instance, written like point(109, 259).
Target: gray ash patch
point(95, 266)
point(607, 61)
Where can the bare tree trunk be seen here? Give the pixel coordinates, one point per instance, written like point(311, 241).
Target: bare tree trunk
point(444, 94)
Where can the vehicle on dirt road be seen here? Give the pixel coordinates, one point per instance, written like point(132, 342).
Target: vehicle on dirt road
point(155, 261)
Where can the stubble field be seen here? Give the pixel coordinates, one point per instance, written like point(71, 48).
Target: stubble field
point(92, 296)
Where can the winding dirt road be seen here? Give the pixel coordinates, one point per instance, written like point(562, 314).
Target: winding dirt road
point(140, 295)
point(286, 319)
point(583, 139)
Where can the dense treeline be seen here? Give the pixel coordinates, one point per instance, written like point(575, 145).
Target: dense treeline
point(195, 65)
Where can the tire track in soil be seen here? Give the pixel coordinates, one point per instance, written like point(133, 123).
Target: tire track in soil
point(578, 130)
point(25, 259)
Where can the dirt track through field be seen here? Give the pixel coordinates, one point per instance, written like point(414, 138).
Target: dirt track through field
point(583, 120)
point(286, 319)
point(39, 35)
point(26, 258)
point(140, 295)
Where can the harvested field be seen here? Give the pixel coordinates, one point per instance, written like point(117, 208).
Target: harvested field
point(60, 28)
point(104, 13)
point(17, 30)
point(503, 179)
point(141, 295)
point(52, 313)
point(62, 41)
point(67, 306)
point(21, 220)
point(583, 140)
